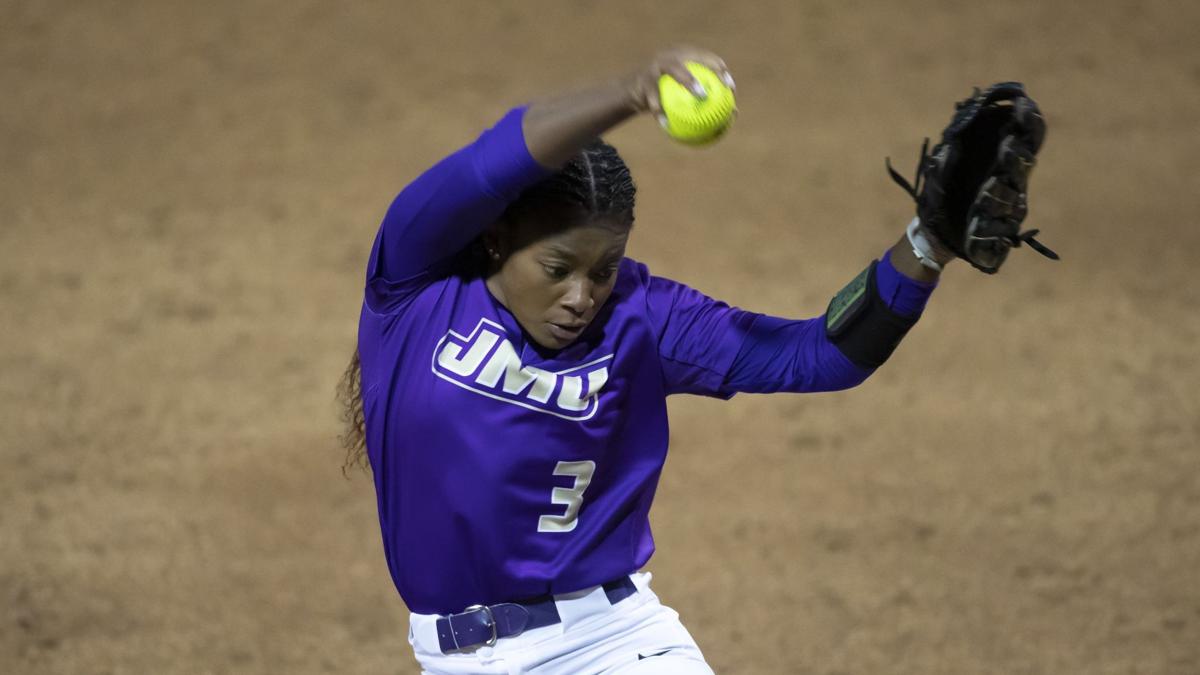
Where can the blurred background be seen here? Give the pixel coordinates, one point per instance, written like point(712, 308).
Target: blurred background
point(188, 192)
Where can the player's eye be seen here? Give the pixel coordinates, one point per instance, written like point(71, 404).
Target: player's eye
point(556, 271)
point(604, 274)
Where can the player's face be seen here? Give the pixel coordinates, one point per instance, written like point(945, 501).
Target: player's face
point(555, 279)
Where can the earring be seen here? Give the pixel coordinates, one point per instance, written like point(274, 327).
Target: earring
point(494, 253)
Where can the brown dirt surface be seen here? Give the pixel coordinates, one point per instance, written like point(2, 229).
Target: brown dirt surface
point(188, 193)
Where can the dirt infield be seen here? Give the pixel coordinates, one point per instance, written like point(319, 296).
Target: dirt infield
point(187, 194)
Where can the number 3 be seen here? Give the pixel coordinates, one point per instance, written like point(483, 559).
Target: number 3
point(571, 497)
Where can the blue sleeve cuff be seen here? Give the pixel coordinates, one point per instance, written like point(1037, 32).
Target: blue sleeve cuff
point(904, 296)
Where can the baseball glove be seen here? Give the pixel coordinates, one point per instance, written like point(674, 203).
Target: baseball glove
point(971, 190)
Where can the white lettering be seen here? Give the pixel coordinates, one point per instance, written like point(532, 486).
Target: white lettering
point(507, 365)
point(571, 397)
point(463, 361)
point(449, 356)
point(571, 497)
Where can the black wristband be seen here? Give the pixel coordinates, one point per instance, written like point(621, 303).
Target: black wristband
point(861, 326)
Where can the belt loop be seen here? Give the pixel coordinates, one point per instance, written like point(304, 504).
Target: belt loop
point(619, 589)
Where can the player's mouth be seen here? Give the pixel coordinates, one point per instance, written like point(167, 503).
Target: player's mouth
point(566, 332)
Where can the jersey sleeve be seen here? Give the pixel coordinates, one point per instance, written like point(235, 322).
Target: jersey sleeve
point(446, 207)
point(791, 355)
point(797, 356)
point(698, 337)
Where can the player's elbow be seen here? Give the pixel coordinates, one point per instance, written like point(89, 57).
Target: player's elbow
point(840, 374)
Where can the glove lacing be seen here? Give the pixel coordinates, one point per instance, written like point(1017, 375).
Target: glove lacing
point(914, 190)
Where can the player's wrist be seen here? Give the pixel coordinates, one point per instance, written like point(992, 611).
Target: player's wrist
point(929, 251)
point(633, 89)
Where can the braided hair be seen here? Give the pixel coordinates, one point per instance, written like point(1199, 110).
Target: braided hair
point(594, 184)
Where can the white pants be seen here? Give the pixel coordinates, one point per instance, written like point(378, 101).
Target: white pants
point(637, 635)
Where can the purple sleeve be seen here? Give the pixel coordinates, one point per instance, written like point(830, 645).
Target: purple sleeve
point(906, 297)
point(449, 205)
point(698, 337)
point(791, 355)
point(796, 356)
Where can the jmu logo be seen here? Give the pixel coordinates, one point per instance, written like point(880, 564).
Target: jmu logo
point(485, 362)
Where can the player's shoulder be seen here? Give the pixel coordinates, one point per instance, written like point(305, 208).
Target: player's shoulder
point(652, 295)
point(633, 279)
point(637, 275)
point(633, 271)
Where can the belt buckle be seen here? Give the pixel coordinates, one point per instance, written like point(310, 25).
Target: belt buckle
point(491, 622)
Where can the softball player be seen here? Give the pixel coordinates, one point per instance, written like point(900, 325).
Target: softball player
point(514, 371)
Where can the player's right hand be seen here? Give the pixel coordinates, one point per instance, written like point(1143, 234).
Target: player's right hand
point(642, 84)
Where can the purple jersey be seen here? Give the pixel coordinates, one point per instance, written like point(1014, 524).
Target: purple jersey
point(504, 470)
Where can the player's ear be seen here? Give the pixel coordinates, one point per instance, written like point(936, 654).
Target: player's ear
point(496, 238)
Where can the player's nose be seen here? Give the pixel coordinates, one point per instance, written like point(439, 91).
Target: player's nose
point(578, 297)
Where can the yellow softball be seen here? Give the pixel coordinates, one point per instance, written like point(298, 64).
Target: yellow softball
point(691, 119)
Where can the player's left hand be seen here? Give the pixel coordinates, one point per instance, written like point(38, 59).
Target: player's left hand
point(974, 196)
point(642, 84)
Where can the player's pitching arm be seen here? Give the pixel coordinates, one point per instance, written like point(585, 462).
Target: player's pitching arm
point(451, 203)
point(557, 127)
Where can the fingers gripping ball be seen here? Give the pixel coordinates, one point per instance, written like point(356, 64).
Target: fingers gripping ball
point(691, 119)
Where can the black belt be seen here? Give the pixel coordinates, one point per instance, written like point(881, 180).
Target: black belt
point(484, 624)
